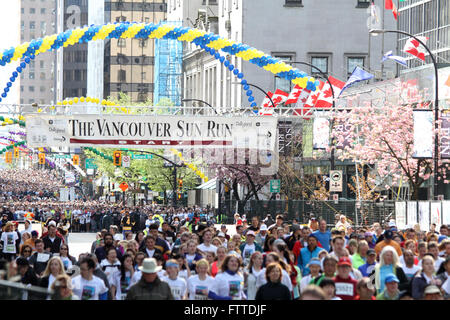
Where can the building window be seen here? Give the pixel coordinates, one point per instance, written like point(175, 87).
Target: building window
point(42, 10)
point(31, 88)
point(144, 75)
point(32, 64)
point(281, 83)
point(363, 3)
point(41, 64)
point(31, 75)
point(42, 89)
point(22, 10)
point(30, 101)
point(353, 62)
point(293, 3)
point(121, 43)
point(143, 43)
point(321, 63)
point(32, 10)
point(42, 76)
point(122, 75)
point(77, 75)
point(32, 25)
point(21, 88)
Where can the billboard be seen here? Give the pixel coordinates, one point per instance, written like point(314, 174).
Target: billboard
point(423, 134)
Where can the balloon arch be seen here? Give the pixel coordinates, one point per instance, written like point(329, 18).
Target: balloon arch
point(212, 43)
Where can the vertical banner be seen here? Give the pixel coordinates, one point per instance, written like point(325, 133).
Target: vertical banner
point(72, 194)
point(445, 212)
point(423, 134)
point(321, 131)
point(412, 213)
point(342, 131)
point(400, 214)
point(424, 215)
point(436, 213)
point(444, 136)
point(63, 194)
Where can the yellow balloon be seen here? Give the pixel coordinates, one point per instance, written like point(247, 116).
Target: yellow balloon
point(88, 99)
point(82, 99)
point(64, 102)
point(70, 102)
point(75, 100)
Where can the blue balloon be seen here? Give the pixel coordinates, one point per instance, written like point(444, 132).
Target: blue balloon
point(244, 81)
point(253, 104)
point(249, 93)
point(12, 79)
point(6, 89)
point(226, 63)
point(23, 64)
point(19, 69)
point(251, 99)
point(217, 55)
point(246, 87)
point(8, 84)
point(32, 56)
point(231, 67)
point(236, 71)
point(255, 111)
point(27, 60)
point(0, 99)
point(4, 95)
point(222, 59)
point(240, 75)
point(15, 74)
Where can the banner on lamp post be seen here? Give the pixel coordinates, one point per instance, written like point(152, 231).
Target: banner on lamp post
point(423, 134)
point(321, 132)
point(445, 136)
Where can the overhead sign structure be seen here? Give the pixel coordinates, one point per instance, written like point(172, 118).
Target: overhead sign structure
point(335, 180)
point(151, 131)
point(141, 156)
point(90, 164)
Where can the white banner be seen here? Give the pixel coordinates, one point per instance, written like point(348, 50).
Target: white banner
point(412, 213)
point(151, 131)
point(423, 134)
point(69, 177)
point(72, 194)
point(400, 214)
point(446, 212)
point(436, 214)
point(63, 194)
point(321, 132)
point(424, 215)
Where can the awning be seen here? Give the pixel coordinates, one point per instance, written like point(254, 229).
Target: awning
point(210, 185)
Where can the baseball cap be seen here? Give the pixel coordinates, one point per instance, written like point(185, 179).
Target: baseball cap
point(392, 223)
point(388, 234)
point(221, 234)
point(432, 289)
point(263, 228)
point(279, 242)
point(52, 223)
point(391, 278)
point(314, 261)
point(34, 233)
point(344, 261)
point(371, 252)
point(250, 233)
point(280, 217)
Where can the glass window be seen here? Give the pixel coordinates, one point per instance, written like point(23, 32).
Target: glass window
point(353, 62)
point(42, 10)
point(32, 25)
point(41, 64)
point(32, 10)
point(122, 75)
point(31, 75)
point(293, 2)
point(281, 83)
point(121, 43)
point(362, 3)
point(321, 63)
point(31, 88)
point(21, 88)
point(42, 76)
point(42, 89)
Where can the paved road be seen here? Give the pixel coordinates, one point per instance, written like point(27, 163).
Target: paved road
point(81, 242)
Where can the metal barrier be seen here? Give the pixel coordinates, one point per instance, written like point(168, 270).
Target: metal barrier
point(368, 212)
point(10, 290)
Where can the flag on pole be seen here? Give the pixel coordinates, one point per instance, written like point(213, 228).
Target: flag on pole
point(325, 99)
point(358, 75)
point(398, 59)
point(300, 107)
point(389, 5)
point(294, 95)
point(279, 97)
point(266, 106)
point(414, 47)
point(373, 12)
point(312, 99)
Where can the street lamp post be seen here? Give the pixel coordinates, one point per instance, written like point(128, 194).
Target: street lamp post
point(257, 87)
point(436, 100)
point(198, 100)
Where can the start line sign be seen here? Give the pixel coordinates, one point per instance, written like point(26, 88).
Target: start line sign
point(151, 131)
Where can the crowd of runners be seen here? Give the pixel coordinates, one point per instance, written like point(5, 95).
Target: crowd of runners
point(156, 252)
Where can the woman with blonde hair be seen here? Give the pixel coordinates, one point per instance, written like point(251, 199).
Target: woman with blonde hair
point(251, 273)
point(200, 283)
point(62, 288)
point(424, 278)
point(216, 242)
point(389, 264)
point(55, 267)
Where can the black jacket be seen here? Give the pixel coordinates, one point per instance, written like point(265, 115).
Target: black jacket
point(39, 267)
point(418, 285)
point(100, 252)
point(54, 245)
point(273, 291)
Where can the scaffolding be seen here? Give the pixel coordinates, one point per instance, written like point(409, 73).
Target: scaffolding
point(168, 68)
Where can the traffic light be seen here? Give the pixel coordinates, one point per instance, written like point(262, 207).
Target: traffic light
point(41, 158)
point(179, 196)
point(8, 157)
point(76, 160)
point(180, 184)
point(117, 158)
point(16, 152)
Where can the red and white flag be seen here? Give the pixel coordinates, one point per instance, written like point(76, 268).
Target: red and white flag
point(325, 99)
point(266, 108)
point(312, 99)
point(300, 108)
point(279, 97)
point(414, 47)
point(390, 5)
point(294, 95)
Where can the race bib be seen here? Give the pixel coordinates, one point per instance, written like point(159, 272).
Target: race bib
point(233, 287)
point(176, 292)
point(344, 289)
point(42, 257)
point(10, 247)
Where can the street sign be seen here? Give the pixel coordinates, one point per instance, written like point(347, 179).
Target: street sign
point(62, 156)
point(336, 198)
point(335, 180)
point(90, 164)
point(141, 156)
point(126, 161)
point(275, 186)
point(123, 186)
point(277, 196)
